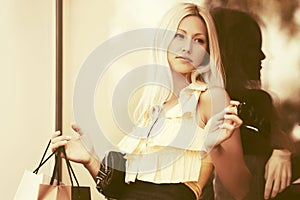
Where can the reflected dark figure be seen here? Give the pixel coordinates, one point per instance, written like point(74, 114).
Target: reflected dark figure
point(263, 144)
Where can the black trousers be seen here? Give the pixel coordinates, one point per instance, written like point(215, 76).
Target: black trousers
point(141, 190)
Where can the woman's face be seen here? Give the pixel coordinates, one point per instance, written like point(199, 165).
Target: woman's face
point(189, 45)
point(251, 53)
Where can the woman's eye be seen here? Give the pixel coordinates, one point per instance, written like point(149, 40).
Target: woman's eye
point(199, 40)
point(179, 35)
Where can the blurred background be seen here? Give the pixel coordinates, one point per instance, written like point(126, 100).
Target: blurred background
point(27, 60)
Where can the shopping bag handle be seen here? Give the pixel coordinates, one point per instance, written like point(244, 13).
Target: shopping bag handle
point(57, 168)
point(42, 161)
point(70, 169)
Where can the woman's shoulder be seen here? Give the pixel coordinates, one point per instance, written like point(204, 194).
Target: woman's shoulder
point(212, 101)
point(214, 94)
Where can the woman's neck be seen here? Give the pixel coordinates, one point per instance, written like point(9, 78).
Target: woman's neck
point(180, 81)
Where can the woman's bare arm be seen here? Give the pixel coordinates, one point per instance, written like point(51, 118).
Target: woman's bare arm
point(228, 155)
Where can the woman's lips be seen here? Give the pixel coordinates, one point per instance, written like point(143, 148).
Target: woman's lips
point(186, 59)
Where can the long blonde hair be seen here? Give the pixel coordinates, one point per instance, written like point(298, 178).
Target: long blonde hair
point(155, 95)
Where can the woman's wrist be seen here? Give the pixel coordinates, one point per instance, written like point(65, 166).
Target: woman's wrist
point(93, 166)
point(282, 153)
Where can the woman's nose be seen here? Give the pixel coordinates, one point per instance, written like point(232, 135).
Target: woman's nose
point(187, 46)
point(262, 55)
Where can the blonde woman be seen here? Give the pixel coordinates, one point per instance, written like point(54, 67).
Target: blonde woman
point(185, 126)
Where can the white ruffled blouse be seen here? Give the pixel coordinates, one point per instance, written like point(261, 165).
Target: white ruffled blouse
point(170, 149)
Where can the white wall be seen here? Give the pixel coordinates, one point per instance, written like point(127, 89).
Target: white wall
point(27, 87)
point(85, 26)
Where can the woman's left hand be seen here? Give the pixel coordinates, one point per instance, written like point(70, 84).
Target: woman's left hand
point(221, 126)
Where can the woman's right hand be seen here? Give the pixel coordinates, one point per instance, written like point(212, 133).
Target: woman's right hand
point(75, 149)
point(221, 126)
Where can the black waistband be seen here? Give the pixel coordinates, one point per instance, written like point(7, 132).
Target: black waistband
point(141, 190)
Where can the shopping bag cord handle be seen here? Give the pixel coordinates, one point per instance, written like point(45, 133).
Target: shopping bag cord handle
point(42, 161)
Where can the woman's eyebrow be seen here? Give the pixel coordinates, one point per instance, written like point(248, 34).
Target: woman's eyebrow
point(181, 30)
point(196, 34)
point(199, 34)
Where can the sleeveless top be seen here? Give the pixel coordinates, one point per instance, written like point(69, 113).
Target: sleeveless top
point(170, 149)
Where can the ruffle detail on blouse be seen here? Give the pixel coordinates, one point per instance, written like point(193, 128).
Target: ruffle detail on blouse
point(182, 133)
point(176, 128)
point(189, 97)
point(167, 165)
